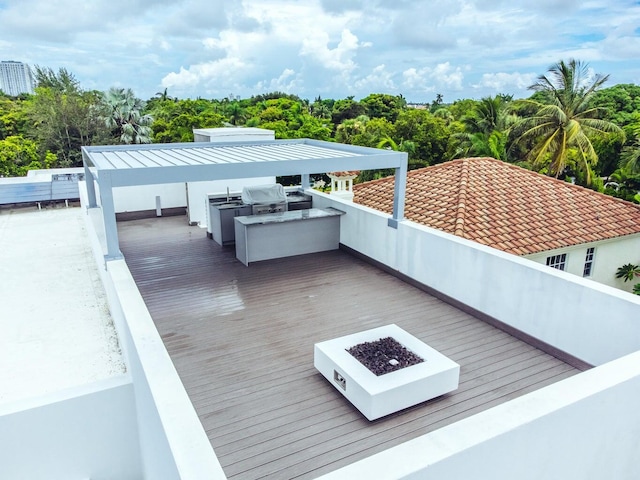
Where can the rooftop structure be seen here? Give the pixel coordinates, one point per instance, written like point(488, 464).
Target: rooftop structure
point(15, 78)
point(212, 347)
point(125, 165)
point(505, 206)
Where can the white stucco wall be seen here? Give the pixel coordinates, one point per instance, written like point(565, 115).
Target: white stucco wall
point(585, 427)
point(173, 443)
point(143, 197)
point(591, 321)
point(80, 432)
point(363, 229)
point(608, 256)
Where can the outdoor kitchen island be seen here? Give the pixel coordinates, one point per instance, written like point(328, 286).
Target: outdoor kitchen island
point(284, 234)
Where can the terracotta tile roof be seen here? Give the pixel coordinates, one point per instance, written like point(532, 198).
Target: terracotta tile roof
point(504, 206)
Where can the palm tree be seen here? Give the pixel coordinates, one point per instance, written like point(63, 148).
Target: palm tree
point(560, 126)
point(123, 115)
point(630, 155)
point(628, 272)
point(485, 129)
point(404, 146)
point(349, 129)
point(235, 113)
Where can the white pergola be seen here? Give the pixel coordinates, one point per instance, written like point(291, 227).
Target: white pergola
point(130, 165)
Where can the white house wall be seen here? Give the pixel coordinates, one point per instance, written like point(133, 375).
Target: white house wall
point(608, 256)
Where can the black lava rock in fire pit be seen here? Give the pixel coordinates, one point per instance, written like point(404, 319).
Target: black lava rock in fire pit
point(384, 356)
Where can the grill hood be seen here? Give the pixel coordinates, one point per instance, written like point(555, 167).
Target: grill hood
point(263, 194)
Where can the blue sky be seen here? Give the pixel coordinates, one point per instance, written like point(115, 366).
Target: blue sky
point(331, 48)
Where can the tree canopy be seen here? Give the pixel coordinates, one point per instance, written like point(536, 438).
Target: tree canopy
point(570, 126)
point(563, 121)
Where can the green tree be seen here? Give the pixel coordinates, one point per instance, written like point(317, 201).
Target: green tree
point(123, 115)
point(486, 129)
point(563, 120)
point(62, 121)
point(381, 105)
point(312, 127)
point(628, 272)
point(619, 104)
point(321, 108)
point(624, 185)
point(62, 81)
point(235, 113)
point(289, 118)
point(350, 129)
point(630, 155)
point(346, 109)
point(428, 133)
point(174, 120)
point(14, 119)
point(18, 155)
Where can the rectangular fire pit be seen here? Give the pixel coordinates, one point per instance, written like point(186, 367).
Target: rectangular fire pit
point(377, 396)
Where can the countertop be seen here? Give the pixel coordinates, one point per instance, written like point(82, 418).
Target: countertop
point(289, 216)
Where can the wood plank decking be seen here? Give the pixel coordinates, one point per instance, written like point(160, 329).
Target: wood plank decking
point(242, 341)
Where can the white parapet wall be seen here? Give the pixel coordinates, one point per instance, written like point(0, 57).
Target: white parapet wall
point(143, 197)
point(586, 426)
point(173, 443)
point(88, 431)
point(590, 321)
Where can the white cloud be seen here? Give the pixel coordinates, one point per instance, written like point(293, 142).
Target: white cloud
point(339, 58)
point(501, 82)
point(226, 70)
point(379, 80)
point(455, 47)
point(443, 76)
point(287, 82)
point(450, 77)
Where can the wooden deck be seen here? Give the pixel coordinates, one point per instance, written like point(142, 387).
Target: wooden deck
point(242, 341)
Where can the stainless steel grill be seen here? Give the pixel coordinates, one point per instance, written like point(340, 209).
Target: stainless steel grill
point(265, 198)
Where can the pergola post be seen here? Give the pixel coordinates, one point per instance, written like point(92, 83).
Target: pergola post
point(306, 183)
point(109, 216)
point(91, 187)
point(399, 190)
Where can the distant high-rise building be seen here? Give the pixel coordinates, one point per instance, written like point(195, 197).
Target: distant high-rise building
point(15, 78)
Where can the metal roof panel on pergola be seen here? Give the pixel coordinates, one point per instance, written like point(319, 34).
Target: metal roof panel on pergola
point(131, 165)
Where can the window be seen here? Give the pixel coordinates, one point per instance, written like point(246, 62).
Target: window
point(557, 261)
point(588, 262)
